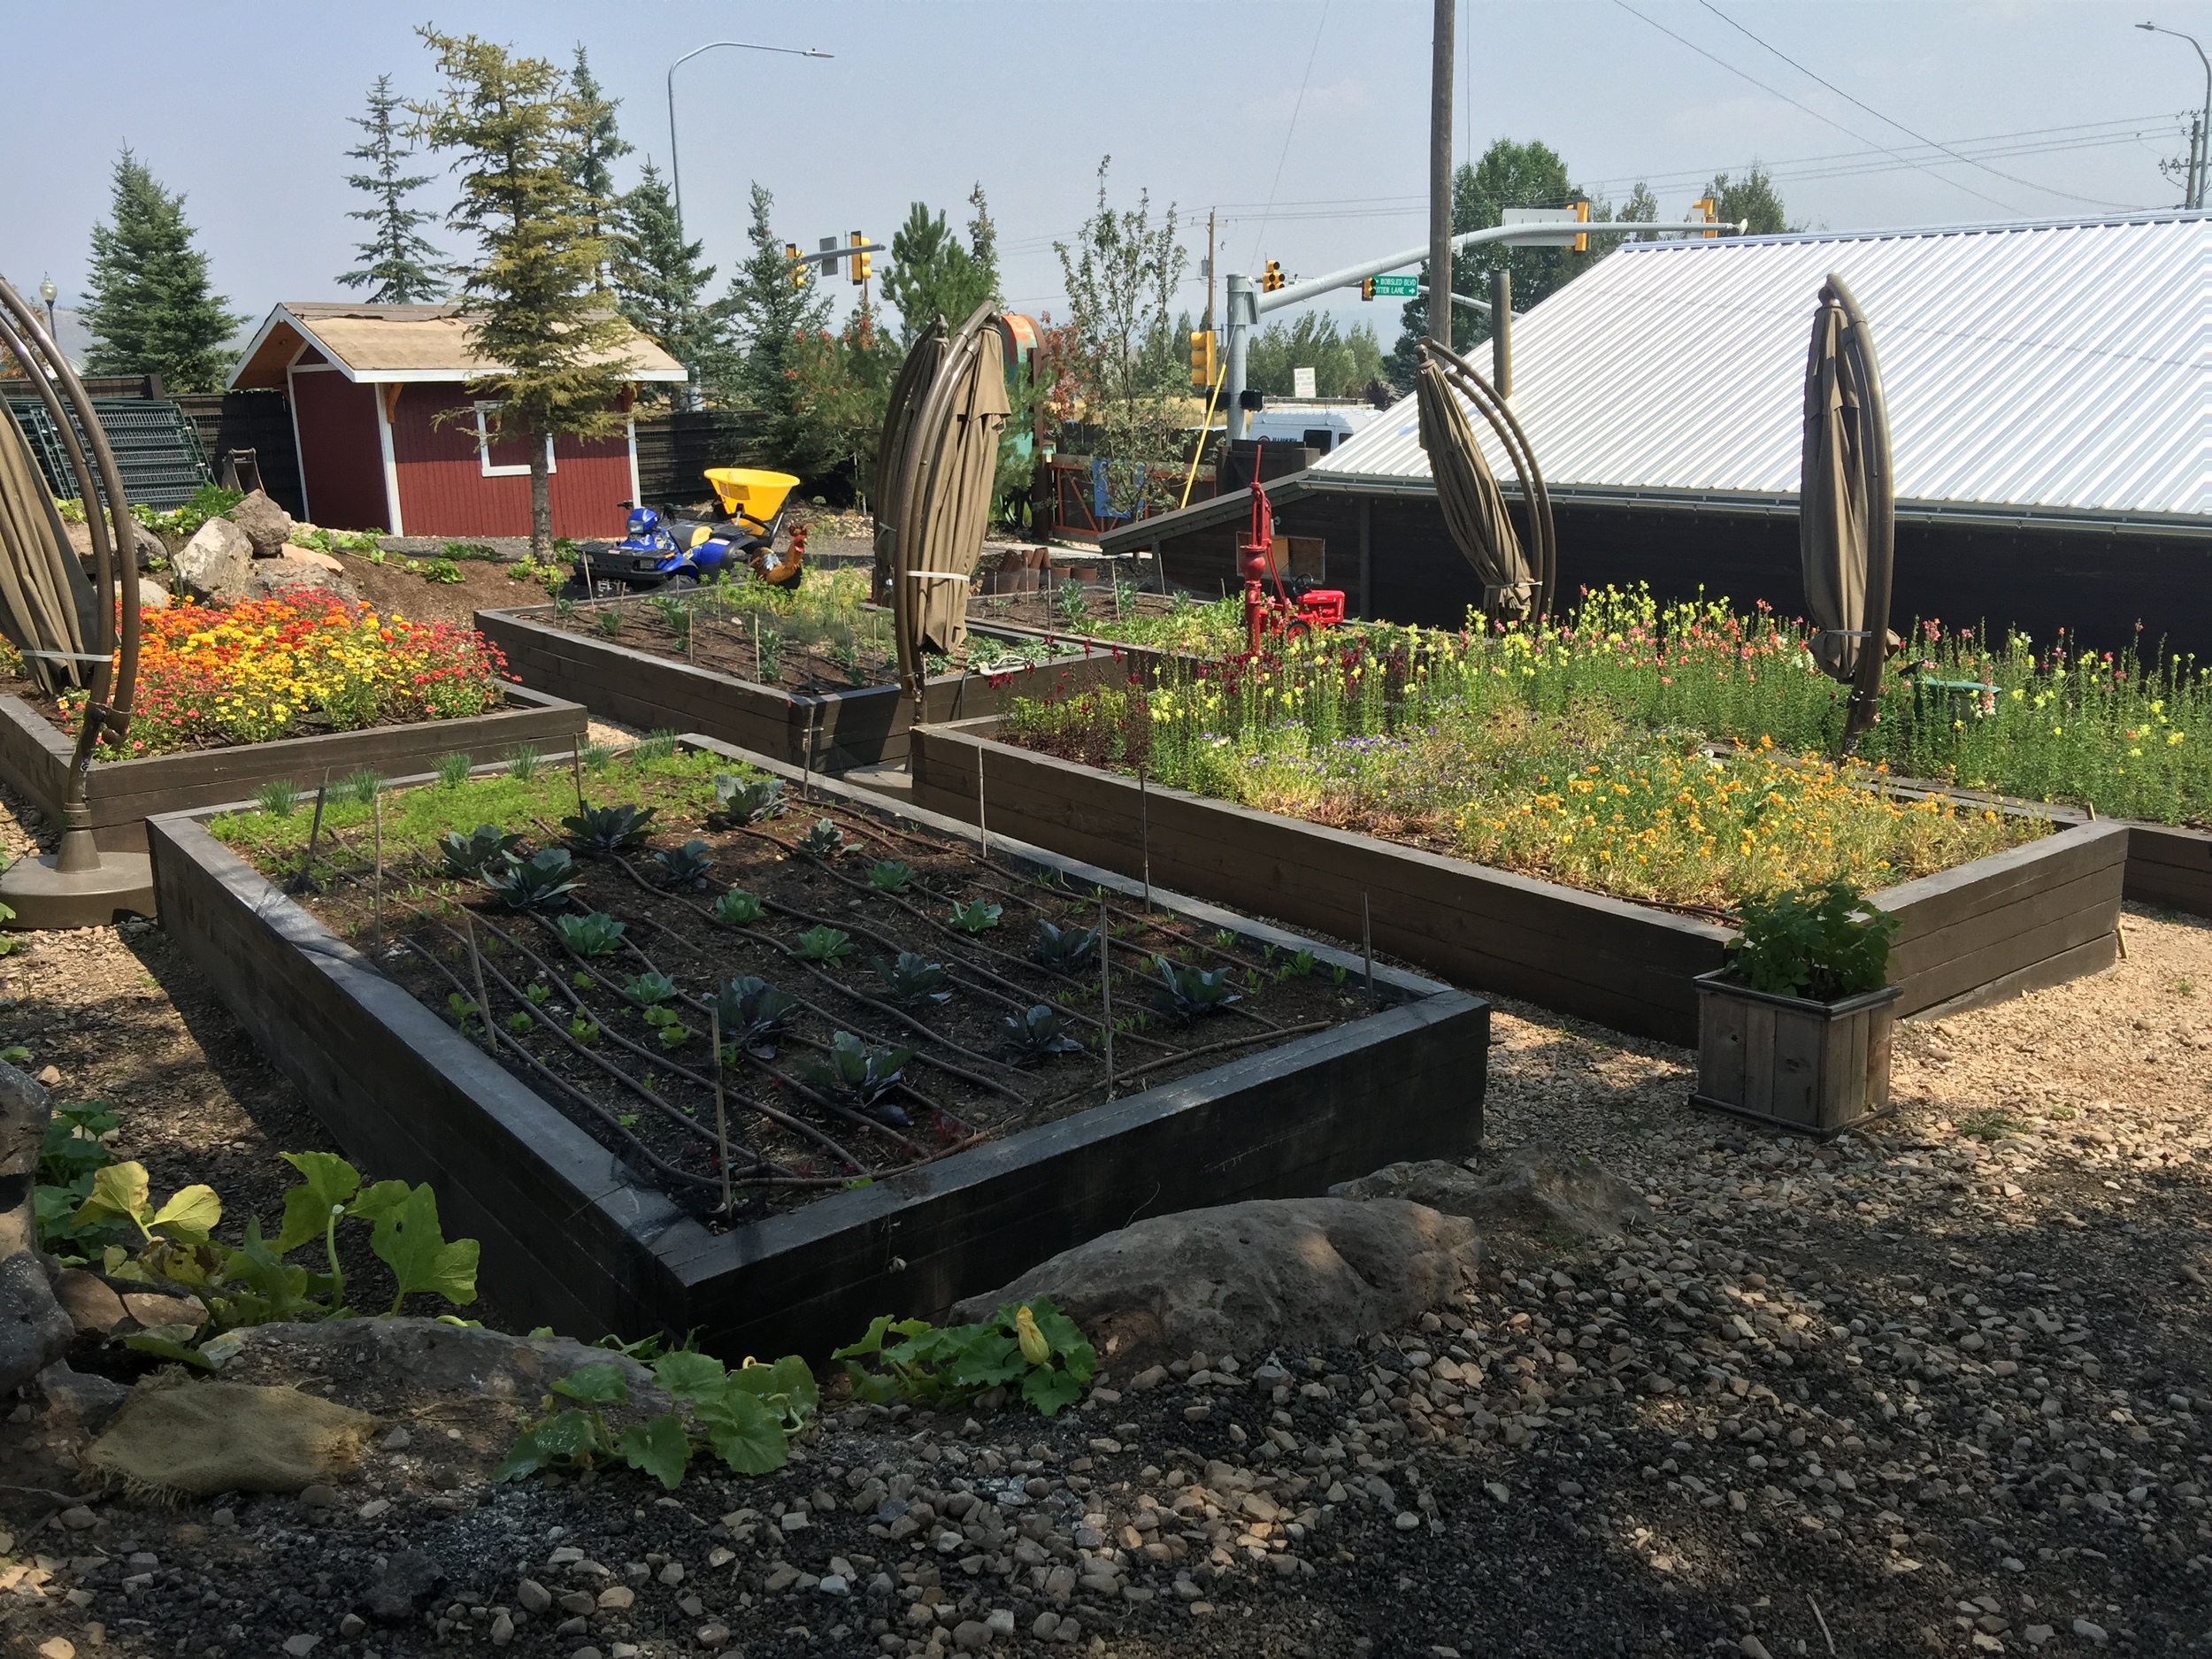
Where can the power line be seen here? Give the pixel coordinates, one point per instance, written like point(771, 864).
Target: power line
point(1994, 173)
point(1777, 93)
point(1298, 104)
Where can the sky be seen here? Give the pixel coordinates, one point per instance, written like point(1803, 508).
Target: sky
point(1301, 123)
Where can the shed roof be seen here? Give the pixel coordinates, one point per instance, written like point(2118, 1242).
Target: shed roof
point(2046, 369)
point(387, 344)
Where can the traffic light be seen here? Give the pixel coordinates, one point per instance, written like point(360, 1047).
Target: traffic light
point(861, 265)
point(798, 271)
point(1582, 238)
point(1202, 357)
point(1272, 278)
point(1367, 289)
point(1704, 206)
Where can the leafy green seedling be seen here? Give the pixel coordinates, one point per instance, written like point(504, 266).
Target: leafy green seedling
point(977, 916)
point(737, 908)
point(520, 1021)
point(893, 876)
point(751, 1013)
point(539, 992)
point(688, 863)
point(1037, 1033)
point(1031, 1347)
point(1065, 949)
point(1192, 991)
point(596, 934)
point(647, 990)
point(823, 839)
point(609, 622)
point(1826, 943)
point(581, 980)
point(674, 1036)
point(609, 829)
point(541, 881)
point(912, 979)
point(465, 855)
point(747, 800)
point(824, 943)
point(859, 1076)
point(583, 1030)
point(463, 1009)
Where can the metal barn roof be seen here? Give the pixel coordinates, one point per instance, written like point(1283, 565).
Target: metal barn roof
point(2064, 367)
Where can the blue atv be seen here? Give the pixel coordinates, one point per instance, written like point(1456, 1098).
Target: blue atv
point(657, 552)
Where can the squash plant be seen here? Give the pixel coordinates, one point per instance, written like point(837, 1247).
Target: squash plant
point(747, 1417)
point(1032, 1347)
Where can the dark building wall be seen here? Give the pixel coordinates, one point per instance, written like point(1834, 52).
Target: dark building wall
point(2096, 587)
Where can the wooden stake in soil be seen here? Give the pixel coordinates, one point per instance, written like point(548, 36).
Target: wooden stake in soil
point(1144, 833)
point(982, 826)
point(721, 1113)
point(757, 667)
point(1367, 948)
point(806, 761)
point(476, 966)
point(576, 770)
point(1105, 985)
point(305, 882)
point(376, 913)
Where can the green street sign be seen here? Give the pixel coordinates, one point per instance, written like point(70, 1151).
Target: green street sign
point(1396, 287)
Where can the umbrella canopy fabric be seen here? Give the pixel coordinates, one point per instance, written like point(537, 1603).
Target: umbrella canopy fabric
point(1466, 490)
point(907, 392)
point(46, 601)
point(948, 468)
point(1846, 510)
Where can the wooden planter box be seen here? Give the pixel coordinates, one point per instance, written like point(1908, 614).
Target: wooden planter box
point(34, 756)
point(1815, 1067)
point(861, 728)
point(2013, 922)
point(570, 1239)
point(2170, 867)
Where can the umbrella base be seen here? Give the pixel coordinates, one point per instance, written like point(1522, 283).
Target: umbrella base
point(44, 897)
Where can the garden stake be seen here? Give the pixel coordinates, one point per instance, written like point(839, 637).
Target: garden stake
point(721, 1113)
point(576, 770)
point(982, 825)
point(1367, 948)
point(305, 882)
point(756, 668)
point(376, 918)
point(1105, 982)
point(476, 963)
point(806, 760)
point(1144, 833)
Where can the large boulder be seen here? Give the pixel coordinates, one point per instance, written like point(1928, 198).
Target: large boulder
point(1292, 1273)
point(286, 577)
point(35, 1331)
point(213, 565)
point(151, 547)
point(267, 526)
point(1535, 1190)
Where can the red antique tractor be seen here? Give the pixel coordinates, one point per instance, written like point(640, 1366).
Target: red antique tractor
point(1289, 611)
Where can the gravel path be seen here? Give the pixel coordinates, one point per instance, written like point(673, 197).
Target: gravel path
point(1933, 1387)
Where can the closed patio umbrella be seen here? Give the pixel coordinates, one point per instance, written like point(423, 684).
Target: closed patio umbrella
point(947, 467)
point(1846, 506)
point(1515, 583)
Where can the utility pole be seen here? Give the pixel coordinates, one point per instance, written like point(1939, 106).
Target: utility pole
point(1210, 269)
point(1440, 171)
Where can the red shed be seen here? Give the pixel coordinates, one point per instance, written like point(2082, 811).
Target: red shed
point(390, 438)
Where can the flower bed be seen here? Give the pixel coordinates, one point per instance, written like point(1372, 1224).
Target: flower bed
point(865, 1179)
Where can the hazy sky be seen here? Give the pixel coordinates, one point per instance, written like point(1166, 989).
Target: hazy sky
point(1319, 108)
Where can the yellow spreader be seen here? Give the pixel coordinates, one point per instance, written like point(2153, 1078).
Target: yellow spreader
point(750, 492)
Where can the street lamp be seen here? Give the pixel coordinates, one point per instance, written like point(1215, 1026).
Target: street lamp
point(48, 292)
point(675, 173)
point(2198, 156)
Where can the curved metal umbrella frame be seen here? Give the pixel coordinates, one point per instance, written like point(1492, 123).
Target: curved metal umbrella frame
point(1856, 346)
point(1543, 539)
point(74, 886)
point(912, 383)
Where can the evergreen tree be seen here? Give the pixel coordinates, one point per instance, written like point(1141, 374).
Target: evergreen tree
point(660, 285)
point(531, 299)
point(772, 311)
point(397, 260)
point(599, 144)
point(1751, 197)
point(932, 275)
point(983, 237)
point(152, 310)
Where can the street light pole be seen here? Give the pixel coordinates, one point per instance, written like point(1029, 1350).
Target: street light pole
point(675, 173)
point(49, 293)
point(2200, 150)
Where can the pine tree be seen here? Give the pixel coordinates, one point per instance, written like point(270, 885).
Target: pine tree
point(772, 311)
point(396, 262)
point(983, 238)
point(152, 310)
point(600, 143)
point(932, 275)
point(1753, 197)
point(531, 300)
point(659, 283)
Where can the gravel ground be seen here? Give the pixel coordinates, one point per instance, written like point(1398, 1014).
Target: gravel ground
point(1936, 1387)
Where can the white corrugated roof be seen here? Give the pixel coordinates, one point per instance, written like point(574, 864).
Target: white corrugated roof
point(2052, 366)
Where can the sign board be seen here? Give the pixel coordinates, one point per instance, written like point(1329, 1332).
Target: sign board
point(829, 266)
point(1544, 216)
point(1397, 288)
point(1301, 383)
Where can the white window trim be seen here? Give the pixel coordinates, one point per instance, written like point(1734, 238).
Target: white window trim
point(484, 451)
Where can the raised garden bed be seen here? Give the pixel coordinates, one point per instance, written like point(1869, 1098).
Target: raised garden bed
point(641, 677)
point(2031, 916)
point(589, 1227)
point(34, 756)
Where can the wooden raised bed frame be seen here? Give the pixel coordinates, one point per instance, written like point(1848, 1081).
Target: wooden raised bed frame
point(34, 756)
point(2016, 921)
point(864, 726)
point(572, 1240)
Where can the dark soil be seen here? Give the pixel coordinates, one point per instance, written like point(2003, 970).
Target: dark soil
point(586, 1045)
point(752, 646)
